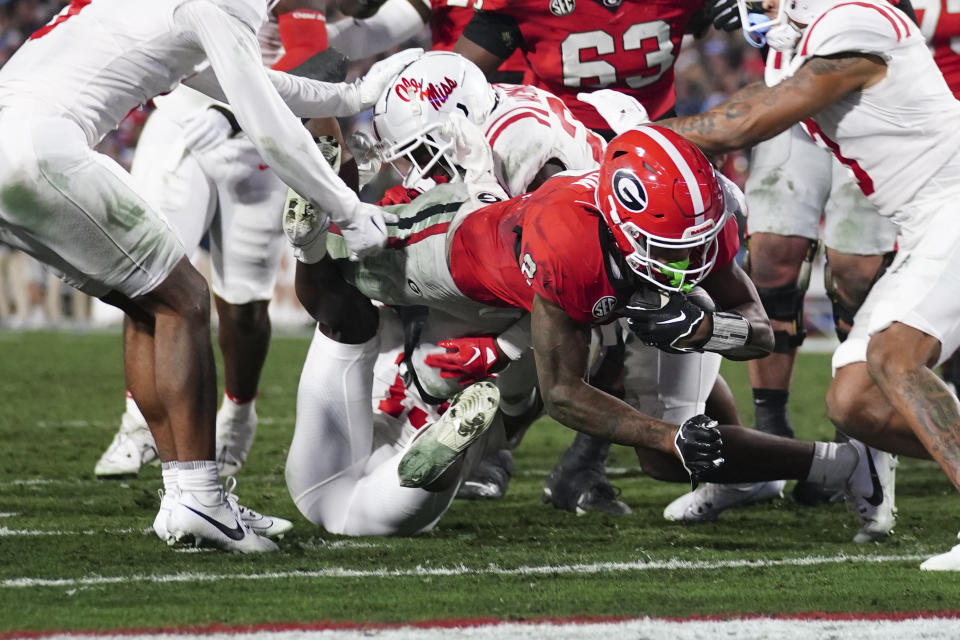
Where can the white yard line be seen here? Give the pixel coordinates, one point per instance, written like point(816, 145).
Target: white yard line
point(420, 571)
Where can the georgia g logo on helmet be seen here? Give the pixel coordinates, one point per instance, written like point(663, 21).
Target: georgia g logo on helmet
point(629, 191)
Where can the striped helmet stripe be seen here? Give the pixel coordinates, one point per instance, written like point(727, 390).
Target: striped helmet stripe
point(685, 171)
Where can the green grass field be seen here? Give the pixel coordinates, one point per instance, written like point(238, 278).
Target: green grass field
point(75, 555)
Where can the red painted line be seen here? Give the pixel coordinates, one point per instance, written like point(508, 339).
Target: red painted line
point(483, 622)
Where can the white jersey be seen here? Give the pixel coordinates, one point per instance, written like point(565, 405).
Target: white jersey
point(897, 133)
point(184, 102)
point(528, 127)
point(99, 59)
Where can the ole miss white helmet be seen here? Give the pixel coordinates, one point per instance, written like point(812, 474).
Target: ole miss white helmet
point(657, 191)
point(411, 112)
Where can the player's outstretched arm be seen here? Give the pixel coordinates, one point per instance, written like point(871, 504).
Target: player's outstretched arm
point(234, 55)
point(757, 112)
point(561, 349)
point(734, 293)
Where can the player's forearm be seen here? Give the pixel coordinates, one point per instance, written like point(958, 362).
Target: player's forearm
point(579, 406)
point(279, 137)
point(745, 119)
point(396, 22)
point(315, 99)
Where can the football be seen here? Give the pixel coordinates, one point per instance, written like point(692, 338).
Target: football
point(650, 298)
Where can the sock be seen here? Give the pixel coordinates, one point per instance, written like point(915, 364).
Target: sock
point(589, 449)
point(237, 408)
point(169, 471)
point(770, 406)
point(200, 477)
point(133, 417)
point(832, 464)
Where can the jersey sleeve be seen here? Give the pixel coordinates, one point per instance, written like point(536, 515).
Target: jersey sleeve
point(567, 270)
point(856, 27)
point(728, 243)
point(522, 142)
point(234, 55)
point(303, 33)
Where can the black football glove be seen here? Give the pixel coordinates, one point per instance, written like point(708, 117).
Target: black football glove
point(661, 322)
point(724, 14)
point(700, 447)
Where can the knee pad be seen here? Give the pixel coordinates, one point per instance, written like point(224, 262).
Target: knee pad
point(843, 311)
point(785, 303)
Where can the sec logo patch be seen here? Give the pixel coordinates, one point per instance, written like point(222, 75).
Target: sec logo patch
point(562, 8)
point(604, 307)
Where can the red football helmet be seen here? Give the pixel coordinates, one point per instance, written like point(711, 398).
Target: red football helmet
point(657, 190)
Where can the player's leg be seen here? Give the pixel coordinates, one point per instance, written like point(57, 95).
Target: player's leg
point(788, 186)
point(174, 182)
point(110, 240)
point(246, 246)
point(578, 482)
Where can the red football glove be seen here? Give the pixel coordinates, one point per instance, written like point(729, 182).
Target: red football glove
point(397, 195)
point(468, 359)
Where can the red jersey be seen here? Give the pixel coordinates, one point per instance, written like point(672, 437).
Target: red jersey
point(447, 20)
point(940, 25)
point(552, 243)
point(579, 46)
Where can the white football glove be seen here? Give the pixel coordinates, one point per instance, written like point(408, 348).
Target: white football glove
point(206, 130)
point(622, 112)
point(471, 148)
point(366, 231)
point(371, 85)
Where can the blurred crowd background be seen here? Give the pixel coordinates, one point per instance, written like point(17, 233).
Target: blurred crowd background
point(708, 70)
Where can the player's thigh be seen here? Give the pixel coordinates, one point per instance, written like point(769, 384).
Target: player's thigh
point(246, 239)
point(671, 387)
point(788, 186)
point(852, 224)
point(172, 180)
point(921, 289)
point(78, 210)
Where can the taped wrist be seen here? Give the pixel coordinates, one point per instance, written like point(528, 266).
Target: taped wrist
point(226, 113)
point(730, 331)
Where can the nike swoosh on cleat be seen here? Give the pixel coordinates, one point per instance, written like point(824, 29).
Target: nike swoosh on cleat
point(234, 534)
point(877, 498)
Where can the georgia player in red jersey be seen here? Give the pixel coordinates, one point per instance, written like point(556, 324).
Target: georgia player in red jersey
point(628, 46)
point(628, 238)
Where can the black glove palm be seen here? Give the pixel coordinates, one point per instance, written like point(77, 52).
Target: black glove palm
point(700, 447)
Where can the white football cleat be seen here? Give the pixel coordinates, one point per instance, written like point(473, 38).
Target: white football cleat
point(167, 500)
point(234, 439)
point(949, 561)
point(267, 526)
point(707, 501)
point(439, 444)
point(304, 224)
point(217, 524)
point(870, 492)
point(132, 447)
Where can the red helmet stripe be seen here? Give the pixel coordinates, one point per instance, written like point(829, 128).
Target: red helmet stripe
point(693, 186)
